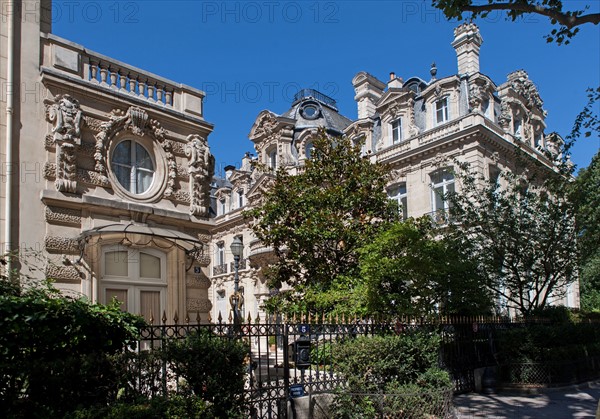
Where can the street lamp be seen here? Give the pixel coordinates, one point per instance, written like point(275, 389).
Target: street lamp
point(237, 249)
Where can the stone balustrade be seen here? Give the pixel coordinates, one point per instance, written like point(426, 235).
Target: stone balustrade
point(64, 58)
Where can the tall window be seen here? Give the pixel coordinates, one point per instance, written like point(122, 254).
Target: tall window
point(441, 111)
point(308, 150)
point(396, 126)
point(220, 255)
point(273, 159)
point(518, 127)
point(442, 183)
point(240, 198)
point(221, 209)
point(136, 278)
point(398, 194)
point(133, 166)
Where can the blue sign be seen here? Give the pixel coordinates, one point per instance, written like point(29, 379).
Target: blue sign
point(304, 329)
point(297, 390)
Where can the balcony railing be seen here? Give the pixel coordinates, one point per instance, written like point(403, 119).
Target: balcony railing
point(219, 269)
point(243, 265)
point(80, 65)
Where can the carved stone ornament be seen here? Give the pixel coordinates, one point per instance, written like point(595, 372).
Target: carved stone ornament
point(67, 245)
point(201, 167)
point(265, 126)
point(57, 215)
point(198, 304)
point(138, 122)
point(505, 115)
point(65, 115)
point(64, 273)
point(477, 94)
point(519, 81)
point(413, 129)
point(199, 281)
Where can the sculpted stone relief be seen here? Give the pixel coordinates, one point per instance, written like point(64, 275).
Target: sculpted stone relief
point(201, 166)
point(66, 116)
point(477, 95)
point(520, 82)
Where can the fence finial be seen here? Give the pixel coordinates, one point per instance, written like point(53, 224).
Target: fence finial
point(220, 318)
point(209, 318)
point(198, 317)
point(164, 317)
point(187, 318)
point(249, 318)
point(257, 318)
point(176, 317)
point(151, 319)
point(230, 317)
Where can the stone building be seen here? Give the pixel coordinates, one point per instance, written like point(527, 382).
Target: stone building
point(416, 127)
point(107, 172)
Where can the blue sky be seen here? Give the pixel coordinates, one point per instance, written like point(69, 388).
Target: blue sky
point(254, 55)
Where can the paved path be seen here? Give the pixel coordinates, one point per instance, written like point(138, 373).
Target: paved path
point(561, 403)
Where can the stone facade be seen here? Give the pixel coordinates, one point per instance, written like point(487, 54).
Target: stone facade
point(104, 185)
point(416, 127)
point(111, 175)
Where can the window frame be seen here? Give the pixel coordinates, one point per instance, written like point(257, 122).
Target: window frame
point(401, 197)
point(445, 111)
point(133, 283)
point(444, 185)
point(396, 131)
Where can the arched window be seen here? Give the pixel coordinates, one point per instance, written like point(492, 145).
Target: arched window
point(272, 159)
point(133, 166)
point(308, 150)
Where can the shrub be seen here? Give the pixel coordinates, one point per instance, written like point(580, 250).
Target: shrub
point(387, 374)
point(57, 352)
point(213, 368)
point(174, 407)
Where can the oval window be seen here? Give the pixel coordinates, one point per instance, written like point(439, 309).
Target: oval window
point(133, 166)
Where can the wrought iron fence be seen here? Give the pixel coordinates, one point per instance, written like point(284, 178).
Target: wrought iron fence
point(289, 358)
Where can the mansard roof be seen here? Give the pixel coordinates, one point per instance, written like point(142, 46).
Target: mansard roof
point(313, 109)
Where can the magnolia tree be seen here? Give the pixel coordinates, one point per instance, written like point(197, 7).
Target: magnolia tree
point(520, 233)
point(317, 220)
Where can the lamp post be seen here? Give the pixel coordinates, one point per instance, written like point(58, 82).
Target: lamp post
point(237, 249)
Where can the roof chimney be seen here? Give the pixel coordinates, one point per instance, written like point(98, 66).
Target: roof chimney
point(467, 41)
point(368, 91)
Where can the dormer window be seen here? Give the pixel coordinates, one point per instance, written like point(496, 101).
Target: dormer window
point(441, 111)
point(518, 128)
point(396, 127)
point(308, 149)
point(221, 209)
point(272, 159)
point(240, 198)
point(538, 141)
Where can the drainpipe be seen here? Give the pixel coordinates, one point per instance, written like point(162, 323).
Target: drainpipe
point(10, 57)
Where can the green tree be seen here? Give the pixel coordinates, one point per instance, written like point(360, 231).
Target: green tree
point(587, 200)
point(568, 21)
point(521, 236)
point(317, 220)
point(408, 270)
